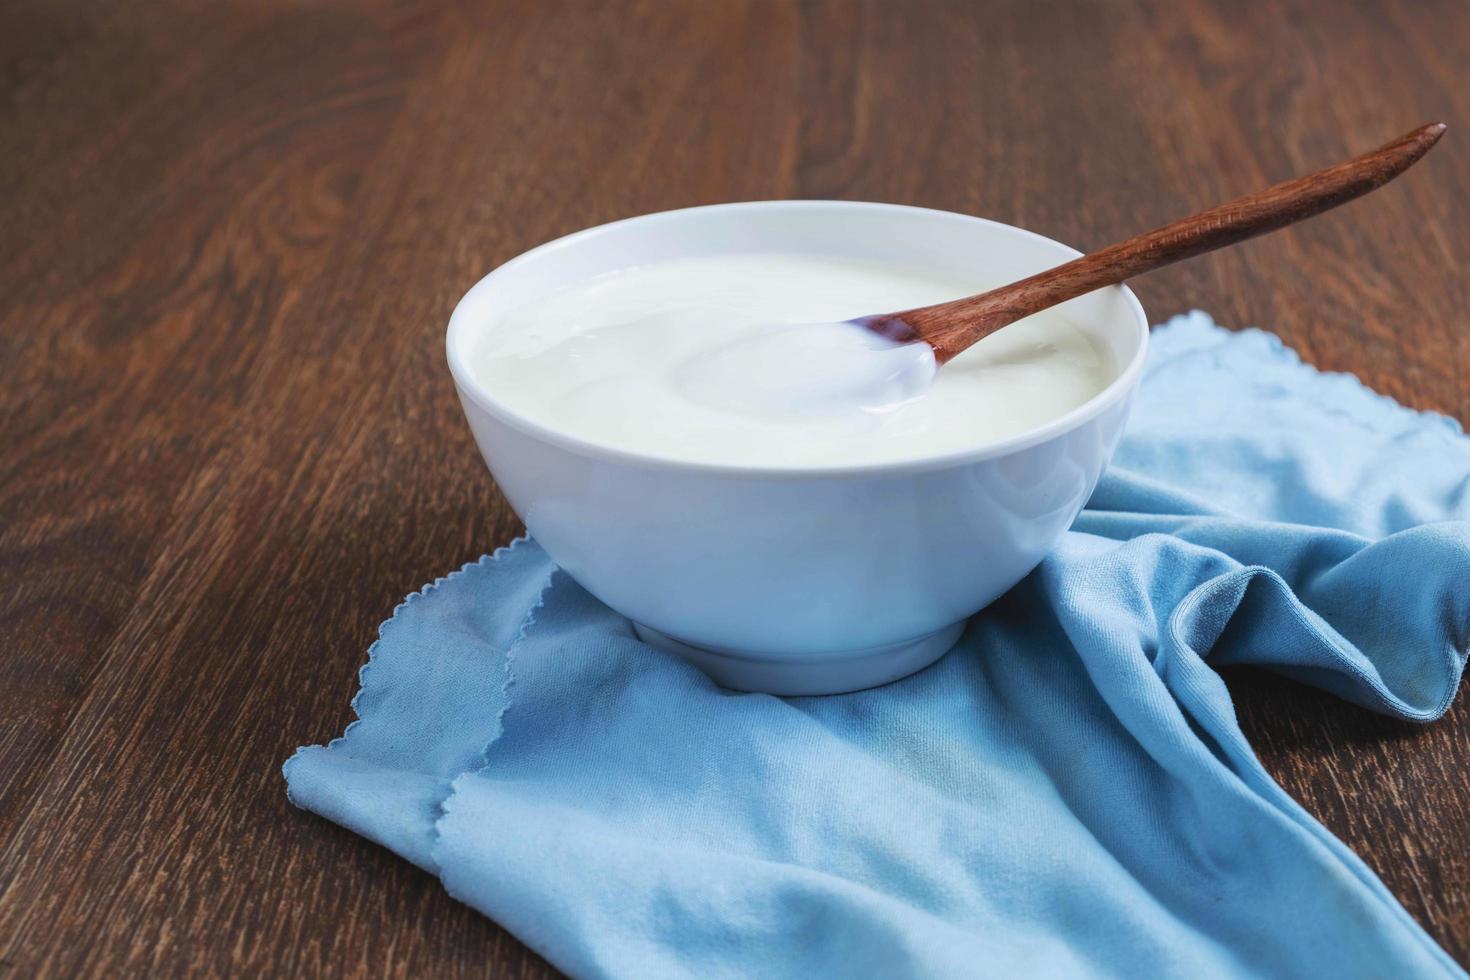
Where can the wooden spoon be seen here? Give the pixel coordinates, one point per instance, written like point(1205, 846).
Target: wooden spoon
point(951, 327)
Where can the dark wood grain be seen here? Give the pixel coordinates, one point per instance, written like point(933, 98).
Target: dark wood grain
point(230, 238)
point(950, 327)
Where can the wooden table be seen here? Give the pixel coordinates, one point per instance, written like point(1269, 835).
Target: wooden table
point(230, 238)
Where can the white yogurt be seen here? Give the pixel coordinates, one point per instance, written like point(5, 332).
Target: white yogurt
point(739, 359)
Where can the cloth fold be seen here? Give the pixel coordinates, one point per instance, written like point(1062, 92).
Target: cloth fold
point(1067, 793)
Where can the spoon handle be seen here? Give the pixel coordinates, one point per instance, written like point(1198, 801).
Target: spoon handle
point(951, 327)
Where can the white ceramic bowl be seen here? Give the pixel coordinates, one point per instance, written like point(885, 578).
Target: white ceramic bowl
point(799, 581)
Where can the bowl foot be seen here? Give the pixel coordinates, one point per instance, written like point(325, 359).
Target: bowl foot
point(829, 673)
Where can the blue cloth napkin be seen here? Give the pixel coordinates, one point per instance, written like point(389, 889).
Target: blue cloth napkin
point(1067, 793)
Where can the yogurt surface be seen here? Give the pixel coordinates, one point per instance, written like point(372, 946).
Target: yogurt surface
point(742, 359)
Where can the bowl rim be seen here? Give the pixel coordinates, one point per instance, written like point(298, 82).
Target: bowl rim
point(460, 328)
